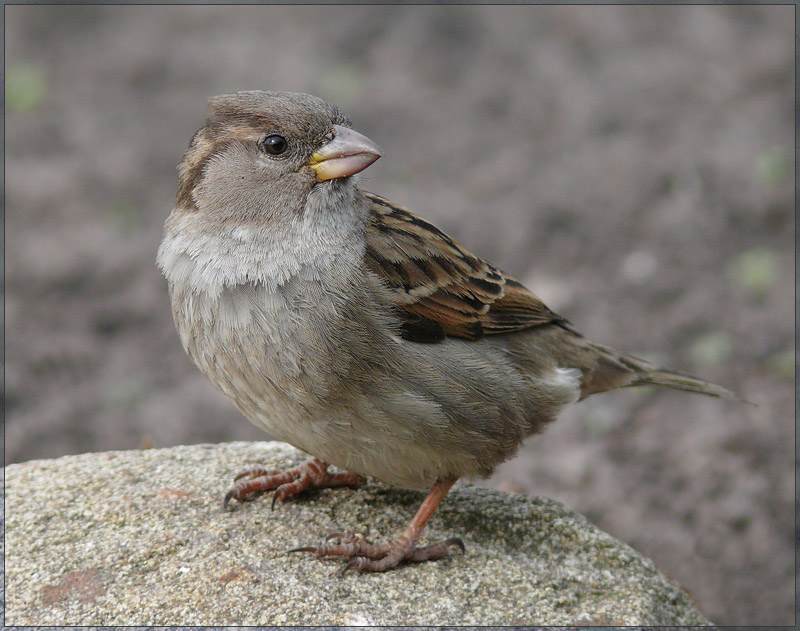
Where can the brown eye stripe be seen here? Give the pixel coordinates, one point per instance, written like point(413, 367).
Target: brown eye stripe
point(191, 168)
point(205, 144)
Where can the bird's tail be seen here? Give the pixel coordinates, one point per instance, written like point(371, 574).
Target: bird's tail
point(614, 369)
point(681, 381)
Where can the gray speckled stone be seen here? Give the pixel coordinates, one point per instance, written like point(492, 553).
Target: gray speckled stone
point(140, 538)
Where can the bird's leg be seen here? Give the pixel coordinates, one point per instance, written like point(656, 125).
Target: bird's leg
point(367, 557)
point(313, 473)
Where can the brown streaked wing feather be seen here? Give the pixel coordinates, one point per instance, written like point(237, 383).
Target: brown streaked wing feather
point(440, 287)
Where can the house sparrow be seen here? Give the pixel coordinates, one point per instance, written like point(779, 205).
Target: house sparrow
point(352, 328)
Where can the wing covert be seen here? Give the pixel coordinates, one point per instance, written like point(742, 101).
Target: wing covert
point(441, 289)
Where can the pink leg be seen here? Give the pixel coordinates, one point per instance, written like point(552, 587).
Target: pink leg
point(366, 557)
point(313, 473)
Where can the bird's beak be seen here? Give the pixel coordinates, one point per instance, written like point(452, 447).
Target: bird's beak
point(347, 154)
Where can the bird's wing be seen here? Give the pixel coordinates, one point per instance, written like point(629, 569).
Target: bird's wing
point(440, 288)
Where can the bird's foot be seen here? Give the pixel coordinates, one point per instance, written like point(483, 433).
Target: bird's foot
point(368, 557)
point(313, 473)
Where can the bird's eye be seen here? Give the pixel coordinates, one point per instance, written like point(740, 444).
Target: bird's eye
point(274, 144)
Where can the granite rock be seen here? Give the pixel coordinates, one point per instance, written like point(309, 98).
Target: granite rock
point(140, 538)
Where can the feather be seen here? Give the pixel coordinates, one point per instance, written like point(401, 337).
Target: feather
point(441, 288)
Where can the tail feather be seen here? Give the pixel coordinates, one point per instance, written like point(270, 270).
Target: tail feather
point(616, 370)
point(681, 381)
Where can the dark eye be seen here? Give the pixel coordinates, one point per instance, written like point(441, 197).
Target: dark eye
point(274, 144)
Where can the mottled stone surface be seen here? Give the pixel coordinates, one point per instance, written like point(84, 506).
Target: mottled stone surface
point(140, 538)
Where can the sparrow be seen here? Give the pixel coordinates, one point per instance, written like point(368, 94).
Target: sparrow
point(350, 327)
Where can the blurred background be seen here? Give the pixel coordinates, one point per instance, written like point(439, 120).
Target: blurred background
point(634, 166)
